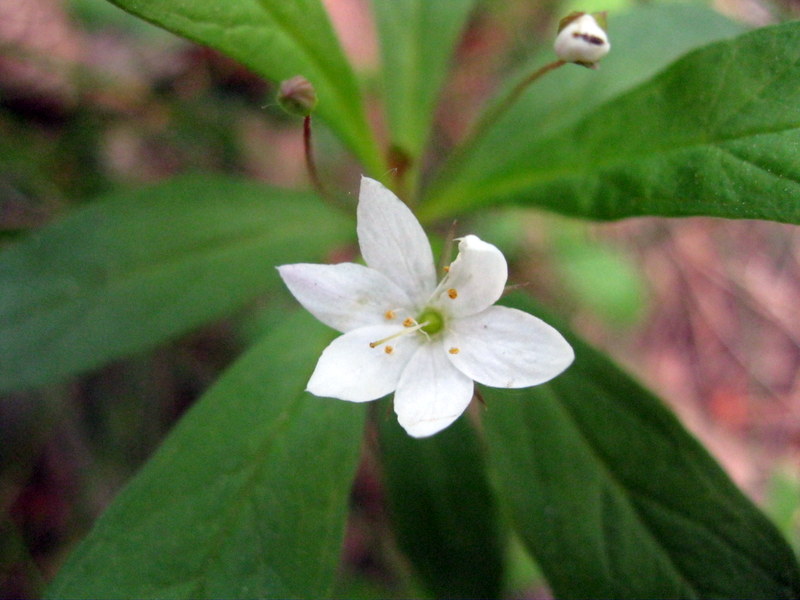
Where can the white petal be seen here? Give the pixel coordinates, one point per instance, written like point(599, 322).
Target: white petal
point(393, 242)
point(476, 278)
point(507, 348)
point(345, 296)
point(431, 393)
point(350, 370)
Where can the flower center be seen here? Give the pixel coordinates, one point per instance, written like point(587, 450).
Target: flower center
point(430, 322)
point(433, 321)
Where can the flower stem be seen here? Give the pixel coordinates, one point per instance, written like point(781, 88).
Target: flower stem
point(491, 116)
point(313, 174)
point(311, 165)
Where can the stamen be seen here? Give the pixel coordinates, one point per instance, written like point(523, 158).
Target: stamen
point(453, 293)
point(409, 322)
point(454, 350)
point(416, 327)
point(388, 349)
point(446, 268)
point(389, 314)
point(447, 250)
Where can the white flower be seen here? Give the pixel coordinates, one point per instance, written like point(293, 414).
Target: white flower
point(403, 333)
point(581, 40)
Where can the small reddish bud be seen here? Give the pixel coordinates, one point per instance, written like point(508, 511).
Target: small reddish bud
point(297, 96)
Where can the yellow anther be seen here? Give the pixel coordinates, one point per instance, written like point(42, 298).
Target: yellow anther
point(389, 314)
point(454, 350)
point(409, 322)
point(452, 293)
point(446, 268)
point(388, 349)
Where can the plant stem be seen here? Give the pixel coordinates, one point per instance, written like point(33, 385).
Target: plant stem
point(313, 174)
point(482, 125)
point(491, 116)
point(311, 166)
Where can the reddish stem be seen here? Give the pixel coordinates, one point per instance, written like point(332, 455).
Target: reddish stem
point(309, 154)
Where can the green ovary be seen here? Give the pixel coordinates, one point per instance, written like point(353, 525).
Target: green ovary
point(433, 319)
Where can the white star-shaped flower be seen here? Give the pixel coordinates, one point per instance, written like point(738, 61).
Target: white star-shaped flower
point(406, 334)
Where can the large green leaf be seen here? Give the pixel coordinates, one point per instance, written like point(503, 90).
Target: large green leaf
point(443, 511)
point(615, 499)
point(247, 498)
point(277, 39)
point(581, 142)
point(417, 41)
point(125, 273)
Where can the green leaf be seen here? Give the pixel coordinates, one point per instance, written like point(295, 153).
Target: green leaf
point(444, 515)
point(278, 40)
point(247, 497)
point(615, 499)
point(417, 41)
point(128, 272)
point(556, 146)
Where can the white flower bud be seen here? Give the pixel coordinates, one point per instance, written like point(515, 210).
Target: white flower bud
point(581, 39)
